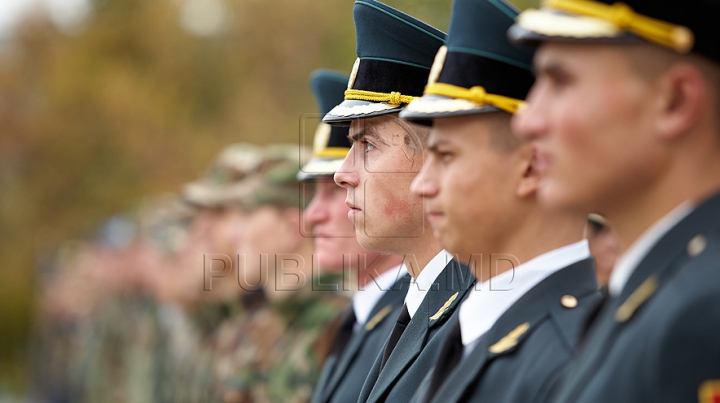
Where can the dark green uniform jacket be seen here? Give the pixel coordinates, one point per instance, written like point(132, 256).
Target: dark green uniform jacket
point(522, 356)
point(343, 376)
point(418, 347)
point(659, 340)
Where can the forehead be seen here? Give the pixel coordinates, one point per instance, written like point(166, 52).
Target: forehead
point(453, 123)
point(381, 127)
point(459, 129)
point(583, 57)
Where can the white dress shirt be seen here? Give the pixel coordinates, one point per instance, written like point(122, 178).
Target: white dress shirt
point(366, 298)
point(420, 285)
point(484, 306)
point(628, 261)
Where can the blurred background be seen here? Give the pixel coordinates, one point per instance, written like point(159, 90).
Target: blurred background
point(104, 103)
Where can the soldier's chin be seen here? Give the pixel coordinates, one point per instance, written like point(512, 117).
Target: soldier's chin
point(452, 246)
point(437, 233)
point(555, 196)
point(364, 241)
point(368, 242)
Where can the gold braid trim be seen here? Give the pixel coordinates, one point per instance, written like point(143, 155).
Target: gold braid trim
point(332, 152)
point(475, 94)
point(676, 37)
point(393, 98)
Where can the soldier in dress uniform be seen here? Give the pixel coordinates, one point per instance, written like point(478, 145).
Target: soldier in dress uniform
point(624, 115)
point(519, 326)
point(381, 279)
point(395, 52)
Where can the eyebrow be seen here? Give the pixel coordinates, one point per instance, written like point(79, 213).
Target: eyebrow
point(355, 137)
point(365, 132)
point(550, 68)
point(434, 145)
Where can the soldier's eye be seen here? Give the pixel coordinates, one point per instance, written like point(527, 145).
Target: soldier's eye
point(560, 78)
point(368, 145)
point(442, 156)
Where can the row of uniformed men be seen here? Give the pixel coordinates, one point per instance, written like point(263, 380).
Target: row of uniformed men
point(511, 210)
point(501, 301)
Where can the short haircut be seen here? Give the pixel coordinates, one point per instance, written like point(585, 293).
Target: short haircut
point(502, 138)
point(416, 136)
point(650, 61)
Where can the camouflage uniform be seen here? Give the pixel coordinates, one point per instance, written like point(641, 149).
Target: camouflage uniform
point(142, 343)
point(273, 352)
point(109, 347)
point(121, 352)
point(306, 343)
point(100, 337)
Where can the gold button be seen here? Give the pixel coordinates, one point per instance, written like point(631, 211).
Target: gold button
point(568, 301)
point(696, 245)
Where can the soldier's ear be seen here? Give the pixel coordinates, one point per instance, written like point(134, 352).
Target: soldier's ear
point(528, 184)
point(684, 98)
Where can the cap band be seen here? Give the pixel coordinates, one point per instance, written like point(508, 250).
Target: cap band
point(393, 98)
point(475, 94)
point(676, 37)
point(333, 152)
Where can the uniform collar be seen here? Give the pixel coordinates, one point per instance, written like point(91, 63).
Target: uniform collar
point(365, 299)
point(629, 260)
point(420, 286)
point(488, 301)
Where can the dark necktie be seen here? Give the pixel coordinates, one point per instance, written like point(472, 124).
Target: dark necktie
point(451, 354)
point(397, 331)
point(344, 333)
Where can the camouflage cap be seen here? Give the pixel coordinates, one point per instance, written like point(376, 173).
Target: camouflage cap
point(164, 221)
point(249, 176)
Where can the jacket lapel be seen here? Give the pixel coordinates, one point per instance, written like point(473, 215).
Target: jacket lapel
point(679, 245)
point(495, 343)
point(453, 284)
point(668, 255)
point(385, 309)
point(441, 300)
point(325, 375)
point(671, 252)
point(517, 324)
point(407, 349)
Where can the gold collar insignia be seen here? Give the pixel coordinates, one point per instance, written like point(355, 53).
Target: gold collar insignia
point(444, 308)
point(637, 298)
point(510, 340)
point(370, 325)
